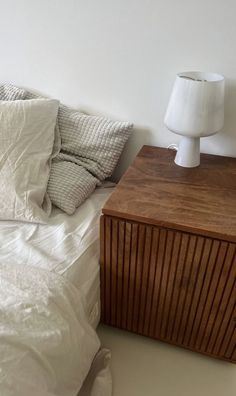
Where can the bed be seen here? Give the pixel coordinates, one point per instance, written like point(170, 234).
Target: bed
point(67, 247)
point(54, 165)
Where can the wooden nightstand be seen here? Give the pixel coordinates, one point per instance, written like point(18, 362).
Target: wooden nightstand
point(168, 252)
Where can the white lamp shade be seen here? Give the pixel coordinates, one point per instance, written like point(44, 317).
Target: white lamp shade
point(196, 106)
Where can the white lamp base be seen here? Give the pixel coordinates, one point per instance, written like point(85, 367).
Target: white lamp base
point(188, 154)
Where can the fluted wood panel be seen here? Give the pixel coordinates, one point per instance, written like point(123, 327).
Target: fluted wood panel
point(169, 285)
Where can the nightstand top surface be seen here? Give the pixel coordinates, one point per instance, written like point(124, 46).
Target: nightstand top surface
point(156, 191)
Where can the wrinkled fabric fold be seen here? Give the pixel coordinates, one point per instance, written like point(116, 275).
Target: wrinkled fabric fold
point(46, 342)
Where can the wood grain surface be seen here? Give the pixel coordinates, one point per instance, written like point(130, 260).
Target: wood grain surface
point(156, 191)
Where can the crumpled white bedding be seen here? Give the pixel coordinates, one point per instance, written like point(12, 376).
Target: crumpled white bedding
point(46, 343)
point(67, 245)
point(57, 245)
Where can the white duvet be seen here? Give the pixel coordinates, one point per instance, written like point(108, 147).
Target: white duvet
point(56, 245)
point(46, 343)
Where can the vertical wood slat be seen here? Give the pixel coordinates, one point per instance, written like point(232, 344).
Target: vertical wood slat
point(169, 285)
point(176, 289)
point(145, 277)
point(138, 277)
point(107, 272)
point(157, 281)
point(114, 258)
point(120, 270)
point(164, 282)
point(151, 280)
point(126, 276)
point(187, 266)
point(132, 274)
point(190, 288)
point(102, 268)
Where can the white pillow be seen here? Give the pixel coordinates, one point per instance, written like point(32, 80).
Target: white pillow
point(26, 143)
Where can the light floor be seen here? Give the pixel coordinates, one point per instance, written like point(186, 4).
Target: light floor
point(144, 367)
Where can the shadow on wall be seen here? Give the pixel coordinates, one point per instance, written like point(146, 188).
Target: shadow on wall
point(139, 137)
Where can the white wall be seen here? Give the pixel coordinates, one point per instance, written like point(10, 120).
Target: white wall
point(120, 57)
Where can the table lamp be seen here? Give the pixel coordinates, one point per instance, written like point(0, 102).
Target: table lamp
point(195, 110)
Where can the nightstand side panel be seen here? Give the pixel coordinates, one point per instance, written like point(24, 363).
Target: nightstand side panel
point(169, 285)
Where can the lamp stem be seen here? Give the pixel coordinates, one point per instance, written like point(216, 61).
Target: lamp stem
point(188, 154)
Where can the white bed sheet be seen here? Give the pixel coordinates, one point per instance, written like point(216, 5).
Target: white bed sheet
point(84, 274)
point(67, 245)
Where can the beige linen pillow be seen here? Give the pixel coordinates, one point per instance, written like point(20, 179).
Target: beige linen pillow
point(26, 143)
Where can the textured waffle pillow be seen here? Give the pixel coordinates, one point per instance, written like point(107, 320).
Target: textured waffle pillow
point(90, 149)
point(69, 185)
point(95, 143)
point(9, 92)
point(26, 143)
